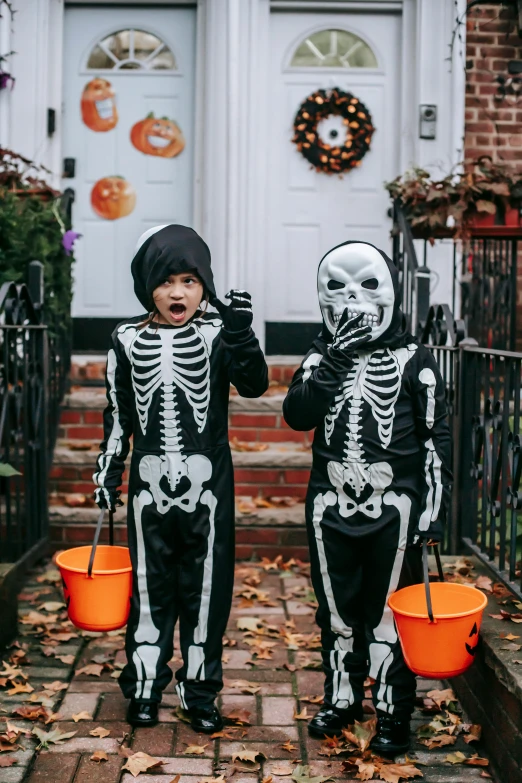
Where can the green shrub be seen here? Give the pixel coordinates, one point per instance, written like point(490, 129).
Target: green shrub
point(30, 230)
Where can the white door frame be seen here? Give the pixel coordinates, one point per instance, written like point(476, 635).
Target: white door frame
point(231, 178)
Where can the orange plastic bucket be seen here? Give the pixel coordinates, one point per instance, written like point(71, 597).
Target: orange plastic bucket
point(445, 647)
point(97, 583)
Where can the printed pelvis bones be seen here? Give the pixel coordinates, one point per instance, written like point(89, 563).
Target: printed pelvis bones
point(356, 277)
point(170, 362)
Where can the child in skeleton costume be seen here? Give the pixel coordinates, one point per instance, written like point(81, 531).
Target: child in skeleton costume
point(380, 483)
point(168, 380)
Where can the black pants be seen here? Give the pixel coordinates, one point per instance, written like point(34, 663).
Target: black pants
point(353, 577)
point(183, 567)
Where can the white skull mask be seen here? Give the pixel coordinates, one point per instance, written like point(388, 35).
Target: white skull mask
point(356, 277)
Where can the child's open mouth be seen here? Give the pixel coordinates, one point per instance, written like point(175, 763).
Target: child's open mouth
point(177, 312)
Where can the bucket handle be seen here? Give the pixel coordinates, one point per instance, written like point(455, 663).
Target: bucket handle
point(97, 537)
point(427, 576)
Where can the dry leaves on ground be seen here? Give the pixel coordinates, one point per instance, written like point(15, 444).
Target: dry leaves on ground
point(84, 715)
point(141, 762)
point(303, 774)
point(99, 755)
point(196, 750)
point(374, 768)
point(469, 761)
point(249, 756)
point(243, 685)
point(282, 769)
point(54, 737)
point(361, 733)
point(238, 717)
point(100, 732)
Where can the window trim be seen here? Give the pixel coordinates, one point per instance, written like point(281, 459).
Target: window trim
point(84, 70)
point(289, 68)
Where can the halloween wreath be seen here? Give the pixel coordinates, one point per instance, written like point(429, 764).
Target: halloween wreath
point(348, 152)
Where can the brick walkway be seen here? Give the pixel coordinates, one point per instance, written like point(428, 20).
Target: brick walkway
point(281, 681)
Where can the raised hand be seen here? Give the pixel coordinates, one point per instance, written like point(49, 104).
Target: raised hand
point(349, 335)
point(238, 314)
point(108, 498)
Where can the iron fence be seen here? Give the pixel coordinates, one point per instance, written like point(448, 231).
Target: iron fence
point(489, 289)
point(34, 364)
point(483, 388)
point(414, 279)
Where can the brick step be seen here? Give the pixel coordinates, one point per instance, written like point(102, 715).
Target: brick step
point(266, 532)
point(283, 469)
point(91, 368)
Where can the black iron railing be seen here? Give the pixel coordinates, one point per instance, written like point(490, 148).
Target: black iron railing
point(414, 279)
point(483, 388)
point(489, 287)
point(34, 364)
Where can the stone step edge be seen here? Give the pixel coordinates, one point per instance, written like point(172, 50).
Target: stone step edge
point(283, 456)
point(292, 516)
point(89, 400)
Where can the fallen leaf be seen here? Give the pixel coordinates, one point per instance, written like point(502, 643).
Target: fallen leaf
point(18, 687)
point(67, 659)
point(289, 747)
point(27, 712)
point(37, 618)
point(55, 686)
point(312, 699)
point(361, 734)
point(239, 717)
point(364, 770)
point(438, 741)
point(51, 606)
point(93, 669)
point(303, 715)
point(244, 686)
point(441, 697)
point(249, 756)
point(54, 737)
point(99, 731)
point(473, 734)
point(303, 774)
point(99, 755)
point(484, 583)
point(196, 750)
point(476, 761)
point(393, 773)
point(248, 623)
point(282, 769)
point(182, 714)
point(509, 637)
point(82, 716)
point(511, 647)
point(140, 762)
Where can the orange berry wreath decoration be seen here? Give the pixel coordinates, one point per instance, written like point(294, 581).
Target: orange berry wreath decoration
point(347, 153)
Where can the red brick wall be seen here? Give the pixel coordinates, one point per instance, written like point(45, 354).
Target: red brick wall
point(493, 124)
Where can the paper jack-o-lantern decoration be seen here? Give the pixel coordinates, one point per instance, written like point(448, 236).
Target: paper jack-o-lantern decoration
point(161, 137)
point(99, 106)
point(113, 198)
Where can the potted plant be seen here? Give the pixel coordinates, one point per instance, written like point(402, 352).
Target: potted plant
point(482, 194)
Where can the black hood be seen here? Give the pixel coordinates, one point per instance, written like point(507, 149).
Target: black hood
point(397, 334)
point(170, 251)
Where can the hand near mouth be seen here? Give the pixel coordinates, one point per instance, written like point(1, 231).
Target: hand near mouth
point(349, 335)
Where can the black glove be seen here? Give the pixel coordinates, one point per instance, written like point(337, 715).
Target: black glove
point(349, 335)
point(108, 498)
point(237, 316)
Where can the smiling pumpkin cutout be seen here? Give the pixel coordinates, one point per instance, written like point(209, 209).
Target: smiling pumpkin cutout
point(161, 137)
point(99, 106)
point(113, 198)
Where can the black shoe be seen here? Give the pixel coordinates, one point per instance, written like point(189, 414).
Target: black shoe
point(205, 719)
point(393, 735)
point(142, 713)
point(330, 722)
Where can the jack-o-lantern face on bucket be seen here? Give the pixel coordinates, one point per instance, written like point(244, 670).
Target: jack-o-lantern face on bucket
point(161, 137)
point(99, 106)
point(113, 198)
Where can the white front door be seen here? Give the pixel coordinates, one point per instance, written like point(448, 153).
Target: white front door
point(129, 127)
point(309, 211)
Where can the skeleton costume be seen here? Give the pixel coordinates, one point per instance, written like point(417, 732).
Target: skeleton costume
point(168, 386)
point(381, 471)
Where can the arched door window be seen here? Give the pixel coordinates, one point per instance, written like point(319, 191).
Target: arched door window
point(131, 49)
point(333, 49)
